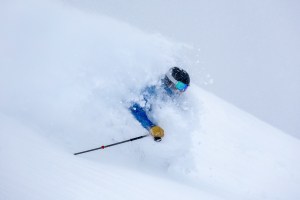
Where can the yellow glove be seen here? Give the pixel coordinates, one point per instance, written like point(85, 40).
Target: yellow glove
point(157, 132)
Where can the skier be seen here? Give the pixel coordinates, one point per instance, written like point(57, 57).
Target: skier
point(171, 86)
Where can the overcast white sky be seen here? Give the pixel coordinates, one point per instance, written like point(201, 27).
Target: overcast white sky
point(251, 48)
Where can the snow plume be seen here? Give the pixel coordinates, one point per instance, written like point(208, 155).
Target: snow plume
point(64, 78)
point(66, 74)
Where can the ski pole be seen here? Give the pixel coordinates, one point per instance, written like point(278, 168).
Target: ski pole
point(103, 147)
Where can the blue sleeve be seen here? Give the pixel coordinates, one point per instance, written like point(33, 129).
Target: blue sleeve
point(140, 114)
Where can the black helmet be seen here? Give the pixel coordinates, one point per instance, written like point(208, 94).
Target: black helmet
point(180, 75)
point(177, 77)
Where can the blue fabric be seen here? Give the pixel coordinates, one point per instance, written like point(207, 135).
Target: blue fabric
point(140, 114)
point(142, 109)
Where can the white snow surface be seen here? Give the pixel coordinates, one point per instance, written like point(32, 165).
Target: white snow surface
point(65, 78)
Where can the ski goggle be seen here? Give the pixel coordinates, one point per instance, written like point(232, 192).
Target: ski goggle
point(178, 84)
point(181, 86)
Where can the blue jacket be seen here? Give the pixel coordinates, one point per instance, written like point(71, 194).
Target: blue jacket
point(142, 108)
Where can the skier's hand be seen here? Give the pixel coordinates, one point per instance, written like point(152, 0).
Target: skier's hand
point(157, 132)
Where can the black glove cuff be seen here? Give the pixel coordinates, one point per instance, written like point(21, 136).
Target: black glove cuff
point(157, 139)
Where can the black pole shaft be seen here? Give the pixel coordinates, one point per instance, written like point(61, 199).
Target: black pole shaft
point(103, 147)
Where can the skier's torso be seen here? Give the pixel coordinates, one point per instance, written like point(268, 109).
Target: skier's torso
point(152, 98)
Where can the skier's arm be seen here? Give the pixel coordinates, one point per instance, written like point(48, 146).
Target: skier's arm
point(140, 114)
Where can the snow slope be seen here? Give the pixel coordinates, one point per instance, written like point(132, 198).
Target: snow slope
point(65, 78)
point(33, 169)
